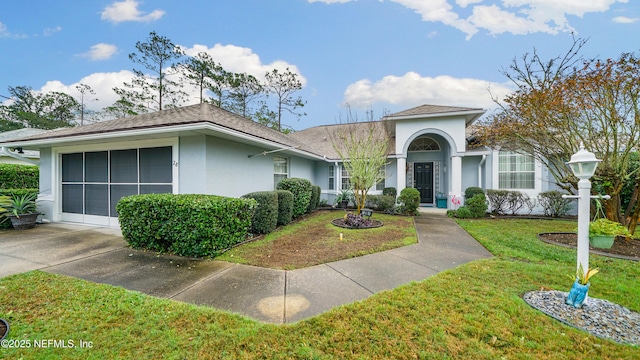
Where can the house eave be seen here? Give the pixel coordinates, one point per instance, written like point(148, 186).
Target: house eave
point(160, 132)
point(469, 115)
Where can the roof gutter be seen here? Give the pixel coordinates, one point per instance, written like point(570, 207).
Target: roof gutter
point(4, 151)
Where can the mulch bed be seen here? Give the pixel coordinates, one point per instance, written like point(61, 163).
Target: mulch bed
point(626, 248)
point(3, 329)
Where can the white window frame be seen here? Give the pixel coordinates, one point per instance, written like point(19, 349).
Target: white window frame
point(537, 180)
point(286, 173)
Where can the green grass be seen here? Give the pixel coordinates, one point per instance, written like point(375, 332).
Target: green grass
point(317, 229)
point(474, 311)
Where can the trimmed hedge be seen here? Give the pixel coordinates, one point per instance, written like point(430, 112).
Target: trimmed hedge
point(265, 216)
point(390, 191)
point(381, 202)
point(185, 224)
point(472, 191)
point(285, 206)
point(315, 198)
point(301, 189)
point(410, 200)
point(15, 176)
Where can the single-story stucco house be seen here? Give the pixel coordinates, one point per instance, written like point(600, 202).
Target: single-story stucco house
point(203, 149)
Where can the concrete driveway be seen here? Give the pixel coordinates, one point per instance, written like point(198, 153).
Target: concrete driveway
point(276, 296)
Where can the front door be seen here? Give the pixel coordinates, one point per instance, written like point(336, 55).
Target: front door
point(423, 173)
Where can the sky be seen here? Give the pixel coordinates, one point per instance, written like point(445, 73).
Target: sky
point(378, 56)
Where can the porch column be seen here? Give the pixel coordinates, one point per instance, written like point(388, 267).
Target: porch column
point(456, 182)
point(401, 166)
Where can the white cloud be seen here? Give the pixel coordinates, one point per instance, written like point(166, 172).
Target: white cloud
point(331, 1)
point(625, 20)
point(100, 51)
point(51, 31)
point(127, 10)
point(412, 89)
point(102, 83)
point(242, 60)
point(5, 33)
point(505, 16)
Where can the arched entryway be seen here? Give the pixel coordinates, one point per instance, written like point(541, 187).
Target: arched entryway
point(426, 166)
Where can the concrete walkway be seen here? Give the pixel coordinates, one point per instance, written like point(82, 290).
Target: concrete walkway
point(276, 296)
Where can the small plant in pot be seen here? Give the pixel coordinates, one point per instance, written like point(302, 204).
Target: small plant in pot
point(603, 232)
point(22, 211)
point(578, 293)
point(343, 198)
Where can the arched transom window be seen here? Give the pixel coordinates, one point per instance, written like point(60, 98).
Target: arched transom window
point(424, 143)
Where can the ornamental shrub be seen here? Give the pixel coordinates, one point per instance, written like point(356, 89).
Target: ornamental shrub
point(265, 216)
point(15, 176)
point(553, 204)
point(410, 200)
point(390, 191)
point(477, 205)
point(471, 192)
point(497, 200)
point(301, 189)
point(315, 198)
point(285, 206)
point(381, 202)
point(185, 224)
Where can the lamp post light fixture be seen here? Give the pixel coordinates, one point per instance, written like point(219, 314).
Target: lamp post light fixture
point(583, 164)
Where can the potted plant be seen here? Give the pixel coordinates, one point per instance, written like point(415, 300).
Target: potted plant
point(22, 211)
point(578, 293)
point(603, 232)
point(343, 198)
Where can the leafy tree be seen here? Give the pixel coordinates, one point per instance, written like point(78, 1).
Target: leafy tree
point(159, 56)
point(36, 110)
point(566, 101)
point(363, 148)
point(283, 85)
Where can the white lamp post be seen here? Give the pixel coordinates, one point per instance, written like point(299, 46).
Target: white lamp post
point(583, 164)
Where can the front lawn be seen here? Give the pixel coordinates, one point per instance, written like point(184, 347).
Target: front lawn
point(314, 240)
point(474, 311)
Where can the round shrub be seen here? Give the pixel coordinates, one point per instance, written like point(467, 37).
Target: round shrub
point(301, 189)
point(472, 191)
point(285, 206)
point(464, 213)
point(265, 216)
point(390, 191)
point(16, 176)
point(410, 200)
point(477, 205)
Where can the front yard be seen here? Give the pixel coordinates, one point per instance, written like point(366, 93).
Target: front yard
point(473, 311)
point(314, 240)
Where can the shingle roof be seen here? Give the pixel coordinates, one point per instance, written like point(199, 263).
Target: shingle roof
point(319, 138)
point(431, 109)
point(20, 133)
point(192, 114)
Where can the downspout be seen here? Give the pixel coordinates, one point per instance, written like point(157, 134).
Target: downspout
point(5, 152)
point(484, 158)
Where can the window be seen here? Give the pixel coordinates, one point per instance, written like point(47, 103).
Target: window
point(424, 143)
point(332, 177)
point(345, 179)
point(94, 182)
point(280, 169)
point(515, 171)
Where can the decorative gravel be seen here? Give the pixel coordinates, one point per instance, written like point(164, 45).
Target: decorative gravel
point(598, 317)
